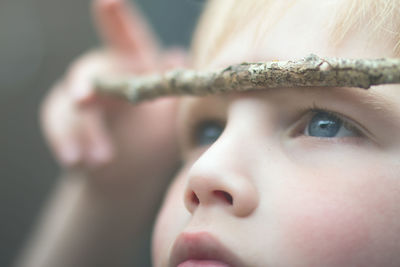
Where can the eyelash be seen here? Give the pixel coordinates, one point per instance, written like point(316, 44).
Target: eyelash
point(306, 115)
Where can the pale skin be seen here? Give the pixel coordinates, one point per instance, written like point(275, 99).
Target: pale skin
point(295, 199)
point(285, 198)
point(114, 153)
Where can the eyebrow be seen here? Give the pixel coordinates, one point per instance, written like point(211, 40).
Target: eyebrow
point(377, 102)
point(311, 71)
point(385, 107)
point(371, 98)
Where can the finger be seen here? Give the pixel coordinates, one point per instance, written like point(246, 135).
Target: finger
point(98, 144)
point(125, 31)
point(58, 128)
point(80, 78)
point(67, 150)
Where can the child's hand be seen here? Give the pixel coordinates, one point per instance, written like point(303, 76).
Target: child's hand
point(94, 132)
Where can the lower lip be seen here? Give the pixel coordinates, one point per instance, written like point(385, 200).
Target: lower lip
point(202, 263)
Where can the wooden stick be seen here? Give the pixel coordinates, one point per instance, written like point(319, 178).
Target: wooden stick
point(311, 71)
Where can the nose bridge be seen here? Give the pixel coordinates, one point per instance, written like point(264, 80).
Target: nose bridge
point(222, 177)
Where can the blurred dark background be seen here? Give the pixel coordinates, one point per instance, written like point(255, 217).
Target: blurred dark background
point(38, 39)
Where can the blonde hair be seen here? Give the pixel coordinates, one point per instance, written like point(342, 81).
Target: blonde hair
point(222, 19)
point(381, 17)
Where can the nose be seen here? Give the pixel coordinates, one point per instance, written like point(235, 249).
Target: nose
point(220, 178)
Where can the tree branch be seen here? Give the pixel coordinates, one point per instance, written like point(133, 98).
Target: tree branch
point(311, 71)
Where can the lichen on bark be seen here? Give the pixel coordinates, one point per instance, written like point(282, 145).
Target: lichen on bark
point(311, 71)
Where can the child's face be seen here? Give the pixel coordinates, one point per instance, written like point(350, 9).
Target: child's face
point(299, 177)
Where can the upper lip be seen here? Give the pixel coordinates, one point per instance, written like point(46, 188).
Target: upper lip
point(201, 246)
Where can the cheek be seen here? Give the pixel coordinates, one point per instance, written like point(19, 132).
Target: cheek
point(171, 219)
point(319, 230)
point(342, 223)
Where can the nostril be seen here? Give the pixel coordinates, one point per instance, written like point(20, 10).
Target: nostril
point(224, 195)
point(195, 199)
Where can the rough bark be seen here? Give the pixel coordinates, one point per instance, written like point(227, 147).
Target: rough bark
point(311, 71)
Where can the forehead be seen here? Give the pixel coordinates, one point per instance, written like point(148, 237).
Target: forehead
point(280, 30)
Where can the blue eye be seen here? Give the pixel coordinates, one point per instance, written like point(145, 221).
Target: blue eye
point(208, 132)
point(327, 125)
